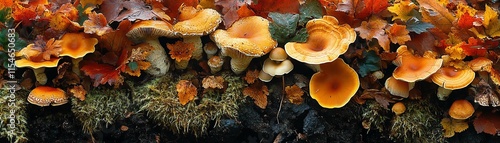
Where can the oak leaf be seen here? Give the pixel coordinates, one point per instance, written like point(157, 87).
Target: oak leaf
point(186, 91)
point(96, 24)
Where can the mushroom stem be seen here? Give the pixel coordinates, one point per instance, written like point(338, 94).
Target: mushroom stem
point(443, 93)
point(40, 75)
point(240, 64)
point(198, 46)
point(158, 58)
point(181, 64)
point(76, 65)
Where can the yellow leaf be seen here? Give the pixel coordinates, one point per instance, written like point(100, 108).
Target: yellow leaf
point(437, 14)
point(402, 10)
point(398, 34)
point(464, 8)
point(490, 16)
point(456, 52)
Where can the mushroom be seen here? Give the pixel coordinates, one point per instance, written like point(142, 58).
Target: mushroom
point(278, 54)
point(398, 87)
point(46, 95)
point(334, 85)
point(326, 42)
point(148, 31)
point(76, 46)
point(247, 38)
point(215, 63)
point(274, 68)
point(38, 67)
point(412, 68)
point(265, 77)
point(210, 49)
point(195, 22)
point(480, 63)
point(398, 108)
point(450, 78)
point(461, 109)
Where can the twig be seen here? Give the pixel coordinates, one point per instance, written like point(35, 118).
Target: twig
point(282, 96)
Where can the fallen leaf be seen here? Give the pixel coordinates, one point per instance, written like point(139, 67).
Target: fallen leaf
point(263, 7)
point(403, 9)
point(258, 92)
point(91, 2)
point(78, 92)
point(311, 9)
point(417, 26)
point(186, 91)
point(484, 94)
point(487, 123)
point(369, 63)
point(294, 94)
point(435, 13)
point(474, 47)
point(230, 10)
point(213, 82)
point(180, 51)
point(102, 73)
point(173, 6)
point(456, 52)
point(452, 126)
point(96, 24)
point(117, 40)
point(244, 11)
point(118, 10)
point(251, 76)
point(374, 28)
point(372, 7)
point(398, 34)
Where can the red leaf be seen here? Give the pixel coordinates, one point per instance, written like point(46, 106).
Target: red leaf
point(466, 21)
point(102, 73)
point(173, 6)
point(488, 123)
point(230, 10)
point(263, 7)
point(474, 48)
point(244, 11)
point(372, 7)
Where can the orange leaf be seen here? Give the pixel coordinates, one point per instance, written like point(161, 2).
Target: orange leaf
point(116, 40)
point(102, 73)
point(474, 47)
point(186, 91)
point(97, 24)
point(374, 28)
point(488, 123)
point(173, 6)
point(399, 34)
point(258, 92)
point(372, 7)
point(437, 14)
point(230, 10)
point(180, 51)
point(90, 2)
point(251, 76)
point(24, 15)
point(263, 7)
point(466, 21)
point(244, 11)
point(213, 82)
point(294, 94)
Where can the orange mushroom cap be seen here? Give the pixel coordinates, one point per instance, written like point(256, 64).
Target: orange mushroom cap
point(35, 65)
point(198, 22)
point(76, 45)
point(334, 85)
point(278, 54)
point(150, 29)
point(451, 78)
point(46, 95)
point(326, 42)
point(461, 109)
point(398, 108)
point(398, 87)
point(412, 68)
point(480, 63)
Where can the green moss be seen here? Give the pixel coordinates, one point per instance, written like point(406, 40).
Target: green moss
point(420, 123)
point(100, 106)
point(13, 132)
point(375, 115)
point(159, 100)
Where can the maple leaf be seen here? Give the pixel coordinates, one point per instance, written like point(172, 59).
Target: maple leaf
point(96, 24)
point(383, 97)
point(52, 48)
point(180, 51)
point(474, 47)
point(230, 10)
point(403, 9)
point(258, 92)
point(466, 21)
point(435, 13)
point(294, 94)
point(398, 34)
point(374, 28)
point(488, 123)
point(102, 73)
point(186, 91)
point(24, 15)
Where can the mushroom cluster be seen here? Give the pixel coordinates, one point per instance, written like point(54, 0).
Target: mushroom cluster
point(276, 65)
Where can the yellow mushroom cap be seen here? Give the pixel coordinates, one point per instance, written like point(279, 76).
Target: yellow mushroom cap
point(479, 63)
point(35, 65)
point(201, 23)
point(398, 87)
point(249, 35)
point(278, 54)
point(412, 68)
point(150, 29)
point(399, 108)
point(274, 68)
point(76, 45)
point(326, 42)
point(334, 85)
point(461, 109)
point(46, 95)
point(451, 78)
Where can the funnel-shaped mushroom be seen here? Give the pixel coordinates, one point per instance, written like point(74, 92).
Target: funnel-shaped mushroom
point(480, 63)
point(412, 68)
point(76, 46)
point(451, 78)
point(149, 31)
point(334, 85)
point(38, 67)
point(246, 39)
point(46, 95)
point(326, 42)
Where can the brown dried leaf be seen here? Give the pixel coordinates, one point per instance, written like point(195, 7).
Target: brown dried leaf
point(383, 97)
point(251, 76)
point(294, 94)
point(180, 51)
point(96, 24)
point(186, 91)
point(213, 82)
point(374, 28)
point(117, 40)
point(78, 92)
point(484, 94)
point(488, 123)
point(258, 92)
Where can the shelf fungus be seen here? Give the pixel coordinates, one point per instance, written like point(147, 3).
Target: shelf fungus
point(413, 68)
point(449, 78)
point(149, 31)
point(46, 95)
point(246, 39)
point(326, 42)
point(334, 85)
point(76, 46)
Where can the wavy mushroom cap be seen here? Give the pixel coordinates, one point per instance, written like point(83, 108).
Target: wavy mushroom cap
point(249, 36)
point(35, 65)
point(461, 109)
point(479, 63)
point(77, 45)
point(199, 22)
point(452, 78)
point(398, 87)
point(326, 42)
point(334, 85)
point(412, 68)
point(46, 95)
point(274, 68)
point(150, 29)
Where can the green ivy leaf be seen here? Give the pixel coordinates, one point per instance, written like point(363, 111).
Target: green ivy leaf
point(300, 36)
point(81, 14)
point(311, 9)
point(283, 26)
point(417, 26)
point(369, 63)
point(18, 42)
point(5, 15)
point(133, 66)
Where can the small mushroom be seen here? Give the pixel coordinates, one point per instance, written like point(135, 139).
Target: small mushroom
point(76, 46)
point(210, 49)
point(398, 87)
point(398, 108)
point(215, 63)
point(334, 85)
point(247, 38)
point(46, 95)
point(412, 68)
point(461, 109)
point(480, 63)
point(274, 68)
point(38, 67)
point(278, 54)
point(148, 31)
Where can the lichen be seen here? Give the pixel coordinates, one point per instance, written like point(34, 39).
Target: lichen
point(420, 123)
point(159, 100)
point(16, 132)
point(100, 106)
